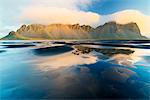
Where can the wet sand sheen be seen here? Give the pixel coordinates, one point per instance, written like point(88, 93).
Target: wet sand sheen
point(46, 72)
point(64, 60)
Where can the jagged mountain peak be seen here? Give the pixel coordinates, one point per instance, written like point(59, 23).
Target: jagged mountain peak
point(110, 30)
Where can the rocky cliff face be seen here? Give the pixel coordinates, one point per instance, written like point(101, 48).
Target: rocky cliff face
point(110, 30)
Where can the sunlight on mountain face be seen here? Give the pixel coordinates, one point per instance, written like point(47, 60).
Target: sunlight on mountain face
point(72, 17)
point(126, 16)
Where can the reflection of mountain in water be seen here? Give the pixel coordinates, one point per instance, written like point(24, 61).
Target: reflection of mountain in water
point(51, 71)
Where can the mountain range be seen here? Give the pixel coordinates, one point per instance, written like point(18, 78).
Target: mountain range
point(108, 31)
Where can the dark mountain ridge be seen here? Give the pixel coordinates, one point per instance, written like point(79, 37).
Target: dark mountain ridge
point(108, 31)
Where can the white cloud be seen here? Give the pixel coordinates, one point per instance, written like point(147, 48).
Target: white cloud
point(71, 12)
point(45, 12)
point(48, 15)
point(59, 11)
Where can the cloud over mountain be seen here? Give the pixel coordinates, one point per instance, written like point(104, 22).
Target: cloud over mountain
point(71, 12)
point(49, 15)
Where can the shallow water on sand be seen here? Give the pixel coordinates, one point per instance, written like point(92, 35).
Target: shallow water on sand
point(74, 69)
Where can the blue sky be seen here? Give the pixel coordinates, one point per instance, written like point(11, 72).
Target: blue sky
point(111, 6)
point(14, 13)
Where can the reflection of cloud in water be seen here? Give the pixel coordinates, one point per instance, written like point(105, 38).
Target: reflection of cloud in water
point(99, 80)
point(140, 57)
point(137, 58)
point(118, 74)
point(142, 52)
point(122, 59)
point(63, 60)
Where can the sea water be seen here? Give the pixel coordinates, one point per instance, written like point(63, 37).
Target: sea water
point(51, 69)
